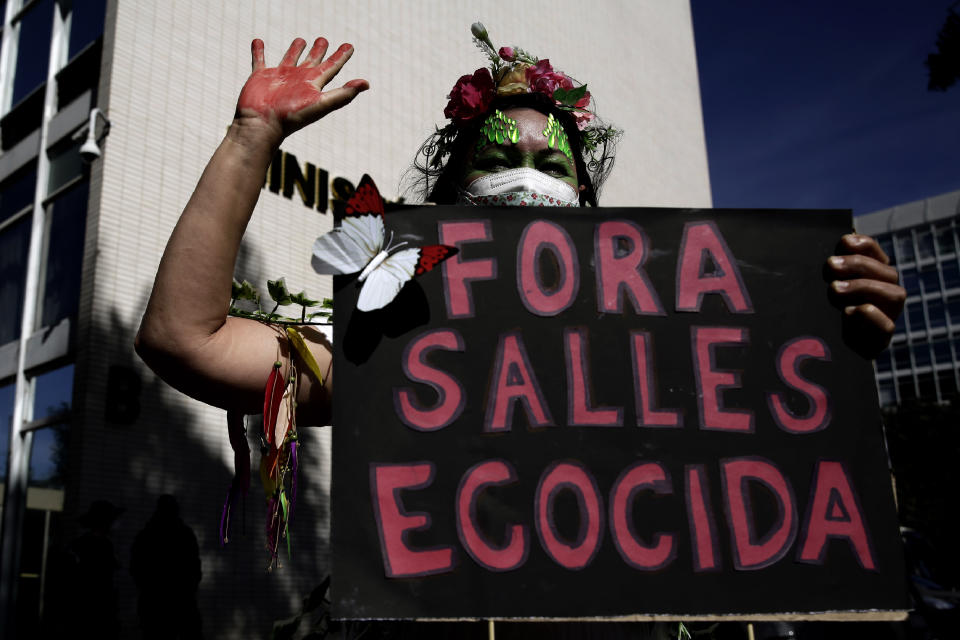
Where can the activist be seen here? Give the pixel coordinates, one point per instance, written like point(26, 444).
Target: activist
point(523, 118)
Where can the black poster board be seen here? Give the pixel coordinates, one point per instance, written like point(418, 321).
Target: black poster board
point(609, 413)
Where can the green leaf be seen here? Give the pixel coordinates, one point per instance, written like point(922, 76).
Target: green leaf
point(278, 291)
point(327, 303)
point(302, 300)
point(243, 291)
point(570, 97)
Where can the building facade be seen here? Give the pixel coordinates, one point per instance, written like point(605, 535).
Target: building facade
point(81, 418)
point(921, 238)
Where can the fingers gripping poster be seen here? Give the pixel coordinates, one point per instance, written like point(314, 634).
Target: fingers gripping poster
point(609, 413)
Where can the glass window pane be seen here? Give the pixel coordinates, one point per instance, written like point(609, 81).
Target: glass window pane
point(17, 191)
point(906, 388)
point(61, 287)
point(6, 423)
point(925, 244)
point(935, 312)
point(86, 24)
point(941, 351)
point(33, 49)
point(52, 392)
point(901, 324)
point(953, 309)
point(921, 355)
point(48, 457)
point(910, 281)
point(930, 280)
point(886, 243)
point(887, 395)
point(951, 274)
point(901, 356)
point(945, 239)
point(915, 317)
point(905, 246)
point(65, 164)
point(883, 361)
point(14, 243)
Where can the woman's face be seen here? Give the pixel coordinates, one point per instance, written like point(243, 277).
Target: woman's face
point(531, 150)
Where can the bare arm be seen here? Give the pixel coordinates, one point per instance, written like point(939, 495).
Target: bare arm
point(185, 335)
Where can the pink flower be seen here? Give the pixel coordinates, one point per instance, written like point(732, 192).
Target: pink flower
point(582, 118)
point(542, 78)
point(583, 102)
point(508, 54)
point(470, 96)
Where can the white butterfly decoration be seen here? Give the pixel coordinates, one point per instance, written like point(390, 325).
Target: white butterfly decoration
point(358, 245)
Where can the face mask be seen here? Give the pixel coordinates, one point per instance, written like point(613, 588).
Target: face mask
point(520, 187)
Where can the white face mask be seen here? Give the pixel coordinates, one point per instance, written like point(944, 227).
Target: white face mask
point(526, 184)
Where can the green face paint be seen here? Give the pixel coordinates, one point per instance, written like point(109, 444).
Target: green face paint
point(557, 137)
point(498, 128)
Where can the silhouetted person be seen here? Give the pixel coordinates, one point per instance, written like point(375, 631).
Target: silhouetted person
point(81, 599)
point(165, 564)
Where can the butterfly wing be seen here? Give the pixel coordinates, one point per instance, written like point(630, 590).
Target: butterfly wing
point(384, 283)
point(349, 247)
point(365, 200)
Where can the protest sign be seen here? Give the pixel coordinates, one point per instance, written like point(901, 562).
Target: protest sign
point(609, 413)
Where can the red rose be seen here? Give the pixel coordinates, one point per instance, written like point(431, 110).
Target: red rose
point(470, 96)
point(542, 78)
point(508, 54)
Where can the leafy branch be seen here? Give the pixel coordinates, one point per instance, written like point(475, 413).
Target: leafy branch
point(281, 297)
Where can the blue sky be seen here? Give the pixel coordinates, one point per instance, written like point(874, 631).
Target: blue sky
point(821, 104)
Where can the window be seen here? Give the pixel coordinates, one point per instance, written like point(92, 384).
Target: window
point(953, 310)
point(921, 354)
point(66, 220)
point(935, 312)
point(17, 191)
point(6, 423)
point(930, 280)
point(65, 164)
point(944, 234)
point(14, 245)
point(886, 243)
point(910, 281)
point(901, 325)
point(905, 247)
point(925, 244)
point(905, 388)
point(941, 351)
point(901, 356)
point(52, 398)
point(86, 24)
point(887, 393)
point(33, 49)
point(883, 361)
point(915, 317)
point(951, 274)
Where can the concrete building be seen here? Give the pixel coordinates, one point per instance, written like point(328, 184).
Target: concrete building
point(920, 237)
point(81, 419)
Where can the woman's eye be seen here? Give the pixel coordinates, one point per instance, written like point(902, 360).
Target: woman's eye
point(554, 169)
point(493, 163)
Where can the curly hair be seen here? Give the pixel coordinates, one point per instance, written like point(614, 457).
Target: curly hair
point(440, 163)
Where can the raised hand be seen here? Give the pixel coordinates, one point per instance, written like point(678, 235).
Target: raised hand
point(291, 96)
point(866, 288)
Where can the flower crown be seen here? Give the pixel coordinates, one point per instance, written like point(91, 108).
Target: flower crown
point(514, 71)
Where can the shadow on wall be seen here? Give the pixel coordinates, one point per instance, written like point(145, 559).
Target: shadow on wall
point(167, 444)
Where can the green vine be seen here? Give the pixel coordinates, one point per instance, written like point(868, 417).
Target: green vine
point(277, 290)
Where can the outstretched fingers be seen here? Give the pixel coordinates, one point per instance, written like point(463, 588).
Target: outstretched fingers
point(293, 53)
point(317, 51)
point(337, 98)
point(332, 65)
point(256, 54)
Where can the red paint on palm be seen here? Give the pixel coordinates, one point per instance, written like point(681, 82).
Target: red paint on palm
point(288, 93)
